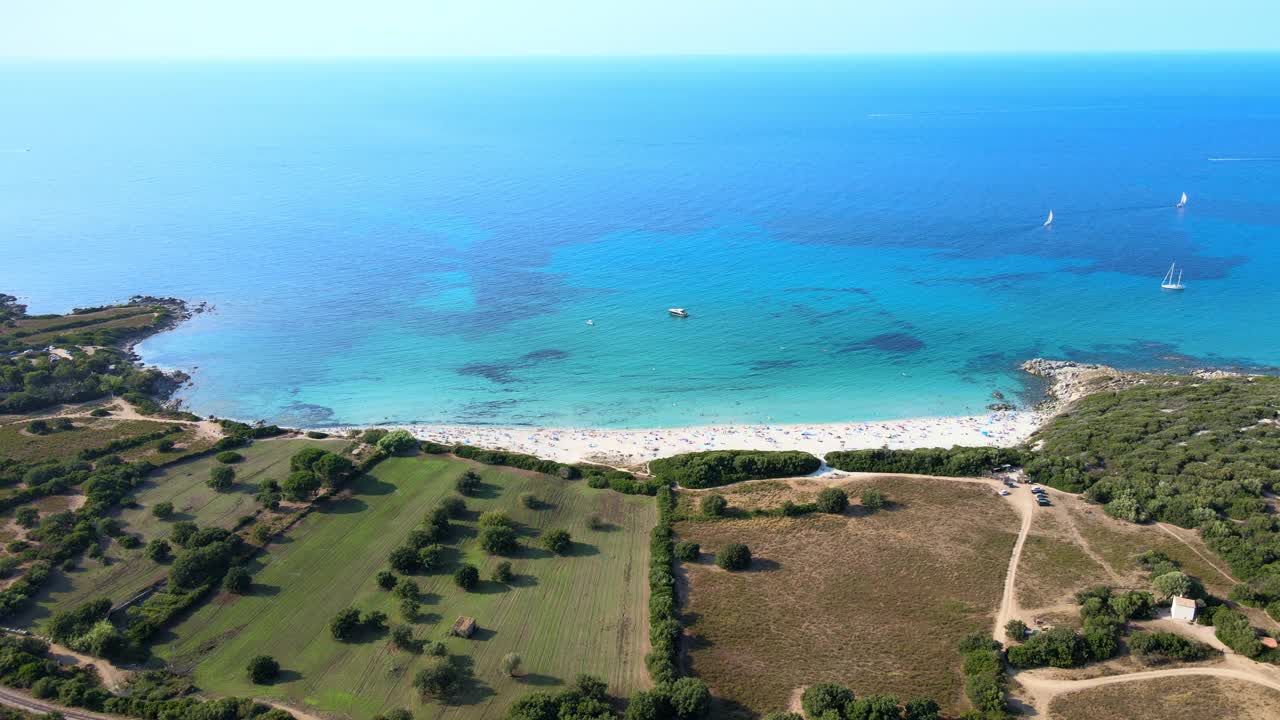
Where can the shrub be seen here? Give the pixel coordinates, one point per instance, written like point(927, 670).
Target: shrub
point(345, 624)
point(228, 457)
point(713, 505)
point(688, 551)
point(263, 669)
point(237, 581)
point(832, 500)
point(99, 412)
point(27, 517)
point(466, 577)
point(402, 636)
point(438, 680)
point(502, 572)
point(38, 427)
point(162, 510)
point(396, 442)
point(386, 579)
point(873, 499)
point(722, 467)
point(165, 445)
point(557, 541)
point(372, 436)
point(530, 501)
point(1015, 630)
point(510, 664)
point(1158, 647)
point(734, 556)
point(317, 435)
point(468, 483)
point(221, 478)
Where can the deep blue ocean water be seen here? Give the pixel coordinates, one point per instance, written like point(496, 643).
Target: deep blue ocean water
point(855, 238)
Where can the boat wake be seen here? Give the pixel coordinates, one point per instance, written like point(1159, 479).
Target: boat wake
point(1244, 159)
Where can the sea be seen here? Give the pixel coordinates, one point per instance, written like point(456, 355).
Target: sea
point(854, 238)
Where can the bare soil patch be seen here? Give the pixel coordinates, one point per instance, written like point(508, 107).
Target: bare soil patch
point(1173, 697)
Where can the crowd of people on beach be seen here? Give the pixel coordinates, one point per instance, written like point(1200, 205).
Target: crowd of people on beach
point(631, 447)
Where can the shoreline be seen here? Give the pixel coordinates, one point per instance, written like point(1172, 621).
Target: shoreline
point(1067, 382)
point(630, 448)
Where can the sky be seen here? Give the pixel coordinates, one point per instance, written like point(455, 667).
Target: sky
point(64, 29)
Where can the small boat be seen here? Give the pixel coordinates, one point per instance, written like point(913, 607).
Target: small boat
point(591, 322)
point(1049, 221)
point(677, 312)
point(1183, 202)
point(1168, 283)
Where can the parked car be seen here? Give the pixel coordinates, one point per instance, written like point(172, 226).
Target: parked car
point(1044, 501)
point(1004, 491)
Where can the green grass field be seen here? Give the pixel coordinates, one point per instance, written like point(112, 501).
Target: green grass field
point(128, 572)
point(564, 615)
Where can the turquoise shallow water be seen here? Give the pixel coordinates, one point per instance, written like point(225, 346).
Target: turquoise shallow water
point(855, 238)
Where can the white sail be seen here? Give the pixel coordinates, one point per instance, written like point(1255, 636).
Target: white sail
point(1168, 283)
point(1183, 202)
point(1049, 221)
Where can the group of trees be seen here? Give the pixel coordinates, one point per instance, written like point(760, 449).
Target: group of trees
point(25, 663)
point(312, 468)
point(985, 682)
point(1160, 647)
point(1105, 614)
point(1187, 451)
point(35, 381)
point(829, 701)
point(423, 551)
point(1260, 592)
point(350, 623)
point(956, 461)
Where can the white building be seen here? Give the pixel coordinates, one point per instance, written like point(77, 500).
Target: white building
point(1184, 609)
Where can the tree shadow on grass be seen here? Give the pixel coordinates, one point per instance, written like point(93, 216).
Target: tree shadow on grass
point(263, 590)
point(530, 552)
point(345, 506)
point(762, 565)
point(286, 676)
point(483, 634)
point(369, 485)
point(471, 691)
point(539, 680)
point(489, 587)
point(580, 549)
point(523, 580)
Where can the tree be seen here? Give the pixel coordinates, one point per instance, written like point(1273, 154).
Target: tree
point(157, 550)
point(407, 589)
point(453, 506)
point(374, 620)
point(263, 669)
point(921, 709)
point(873, 499)
point(305, 459)
point(822, 698)
point(27, 517)
point(874, 707)
point(237, 581)
point(832, 500)
point(713, 505)
point(689, 698)
point(396, 442)
point(1015, 630)
point(498, 540)
point(228, 457)
point(386, 579)
point(688, 551)
point(1173, 583)
point(502, 572)
point(496, 518)
point(38, 427)
point(345, 624)
point(557, 541)
point(162, 510)
point(300, 485)
point(402, 636)
point(510, 664)
point(466, 577)
point(649, 705)
point(182, 532)
point(439, 680)
point(221, 478)
point(331, 469)
point(431, 557)
point(373, 435)
point(468, 483)
point(734, 556)
point(409, 609)
point(404, 560)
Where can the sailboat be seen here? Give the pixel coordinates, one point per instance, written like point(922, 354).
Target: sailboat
point(1168, 283)
point(1049, 222)
point(1183, 202)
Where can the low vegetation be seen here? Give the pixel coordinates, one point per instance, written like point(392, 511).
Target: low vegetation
point(723, 467)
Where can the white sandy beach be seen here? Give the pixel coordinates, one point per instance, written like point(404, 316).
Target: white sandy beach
point(622, 448)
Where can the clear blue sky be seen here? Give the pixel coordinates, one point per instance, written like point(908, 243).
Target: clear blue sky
point(373, 28)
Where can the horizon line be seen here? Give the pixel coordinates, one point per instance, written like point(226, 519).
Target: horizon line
point(646, 56)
